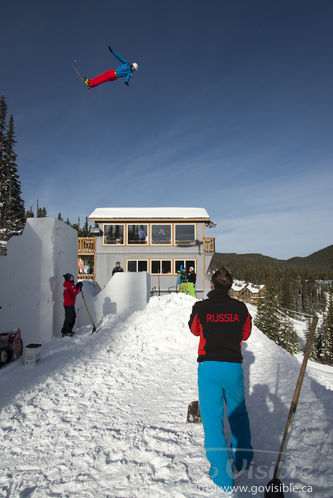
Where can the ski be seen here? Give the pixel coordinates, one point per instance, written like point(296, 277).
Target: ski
point(76, 68)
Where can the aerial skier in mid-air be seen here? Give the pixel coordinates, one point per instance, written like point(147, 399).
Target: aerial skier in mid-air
point(124, 71)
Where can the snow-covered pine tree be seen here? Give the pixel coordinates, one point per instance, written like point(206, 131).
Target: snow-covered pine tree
point(12, 213)
point(3, 127)
point(326, 355)
point(288, 338)
point(317, 345)
point(15, 209)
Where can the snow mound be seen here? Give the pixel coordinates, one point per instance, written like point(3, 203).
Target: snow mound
point(104, 414)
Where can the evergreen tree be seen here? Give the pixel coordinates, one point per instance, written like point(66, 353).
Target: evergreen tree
point(84, 231)
point(30, 213)
point(288, 338)
point(12, 213)
point(267, 319)
point(326, 354)
point(41, 212)
point(3, 170)
point(60, 218)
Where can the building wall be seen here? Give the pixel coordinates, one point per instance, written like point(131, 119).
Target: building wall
point(108, 255)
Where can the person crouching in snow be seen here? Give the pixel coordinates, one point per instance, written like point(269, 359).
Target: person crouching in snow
point(70, 293)
point(124, 71)
point(222, 324)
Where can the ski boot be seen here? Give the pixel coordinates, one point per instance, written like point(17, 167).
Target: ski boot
point(86, 80)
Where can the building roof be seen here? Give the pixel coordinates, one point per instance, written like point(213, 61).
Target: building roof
point(255, 288)
point(238, 285)
point(141, 213)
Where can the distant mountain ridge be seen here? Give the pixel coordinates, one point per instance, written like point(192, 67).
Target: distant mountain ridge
point(320, 262)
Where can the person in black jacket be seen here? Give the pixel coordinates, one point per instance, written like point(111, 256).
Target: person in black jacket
point(222, 324)
point(191, 279)
point(117, 268)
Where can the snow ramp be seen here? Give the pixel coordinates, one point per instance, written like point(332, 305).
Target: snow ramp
point(122, 295)
point(104, 415)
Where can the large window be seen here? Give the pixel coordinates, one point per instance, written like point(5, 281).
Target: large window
point(162, 266)
point(185, 234)
point(137, 234)
point(113, 234)
point(161, 234)
point(186, 263)
point(134, 265)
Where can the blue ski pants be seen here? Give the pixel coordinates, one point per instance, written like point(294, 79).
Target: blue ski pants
point(221, 381)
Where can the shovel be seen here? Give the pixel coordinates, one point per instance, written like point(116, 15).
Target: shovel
point(91, 320)
point(274, 489)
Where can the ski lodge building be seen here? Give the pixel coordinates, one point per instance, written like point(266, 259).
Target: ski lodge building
point(155, 240)
point(247, 292)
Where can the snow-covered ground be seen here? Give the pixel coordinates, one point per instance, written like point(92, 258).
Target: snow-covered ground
point(104, 415)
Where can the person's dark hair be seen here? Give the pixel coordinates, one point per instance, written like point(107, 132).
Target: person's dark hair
point(222, 279)
point(117, 262)
point(67, 276)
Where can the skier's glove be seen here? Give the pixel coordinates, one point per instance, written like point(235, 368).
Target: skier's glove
point(79, 285)
point(126, 83)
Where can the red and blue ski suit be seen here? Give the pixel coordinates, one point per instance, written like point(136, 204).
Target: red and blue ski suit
point(113, 74)
point(222, 324)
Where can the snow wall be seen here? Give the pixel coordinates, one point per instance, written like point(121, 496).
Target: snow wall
point(122, 295)
point(31, 290)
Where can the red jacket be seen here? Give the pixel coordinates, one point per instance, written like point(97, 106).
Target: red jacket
point(70, 293)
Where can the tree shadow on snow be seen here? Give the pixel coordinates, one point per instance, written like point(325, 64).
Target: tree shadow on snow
point(268, 415)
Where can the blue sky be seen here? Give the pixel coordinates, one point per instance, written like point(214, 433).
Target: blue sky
point(231, 110)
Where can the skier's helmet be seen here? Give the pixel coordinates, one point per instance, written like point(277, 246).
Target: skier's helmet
point(135, 66)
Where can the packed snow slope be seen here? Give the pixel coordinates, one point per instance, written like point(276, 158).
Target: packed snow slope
point(104, 415)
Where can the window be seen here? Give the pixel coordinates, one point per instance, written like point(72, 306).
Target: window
point(86, 265)
point(185, 263)
point(137, 234)
point(135, 266)
point(185, 234)
point(161, 234)
point(161, 266)
point(113, 234)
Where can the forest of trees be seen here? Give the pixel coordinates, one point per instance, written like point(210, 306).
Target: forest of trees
point(291, 292)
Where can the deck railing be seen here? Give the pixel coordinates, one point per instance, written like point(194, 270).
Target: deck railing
point(86, 245)
point(86, 276)
point(209, 244)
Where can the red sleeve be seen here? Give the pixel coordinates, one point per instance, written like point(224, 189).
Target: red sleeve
point(247, 328)
point(194, 322)
point(195, 326)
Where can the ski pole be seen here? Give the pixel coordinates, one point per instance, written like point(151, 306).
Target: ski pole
point(91, 320)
